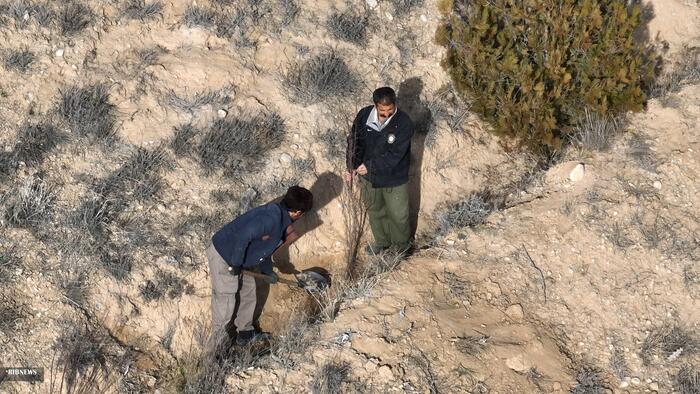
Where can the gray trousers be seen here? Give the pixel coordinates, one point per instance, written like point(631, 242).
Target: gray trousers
point(233, 297)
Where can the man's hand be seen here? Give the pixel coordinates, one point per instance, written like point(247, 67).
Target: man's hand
point(362, 170)
point(272, 277)
point(349, 175)
point(235, 270)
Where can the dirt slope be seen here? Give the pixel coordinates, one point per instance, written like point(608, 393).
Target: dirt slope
point(607, 299)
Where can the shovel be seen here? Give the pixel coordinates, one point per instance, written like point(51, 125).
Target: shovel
point(308, 280)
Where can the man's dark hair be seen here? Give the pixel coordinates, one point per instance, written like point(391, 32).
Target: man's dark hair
point(298, 199)
point(384, 95)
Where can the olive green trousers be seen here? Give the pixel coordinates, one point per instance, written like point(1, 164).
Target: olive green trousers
point(388, 211)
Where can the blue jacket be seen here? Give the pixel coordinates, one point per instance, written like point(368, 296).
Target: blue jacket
point(251, 238)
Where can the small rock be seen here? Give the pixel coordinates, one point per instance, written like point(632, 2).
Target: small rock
point(423, 18)
point(624, 384)
point(636, 381)
point(389, 16)
point(556, 386)
point(222, 113)
point(654, 386)
point(385, 372)
point(59, 53)
point(515, 312)
point(160, 208)
point(518, 364)
point(371, 3)
point(285, 159)
point(577, 173)
point(657, 185)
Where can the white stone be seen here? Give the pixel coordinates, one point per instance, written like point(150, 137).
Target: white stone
point(285, 159)
point(222, 113)
point(624, 384)
point(515, 312)
point(385, 372)
point(371, 3)
point(635, 381)
point(517, 364)
point(423, 18)
point(389, 16)
point(657, 185)
point(59, 53)
point(577, 173)
point(654, 386)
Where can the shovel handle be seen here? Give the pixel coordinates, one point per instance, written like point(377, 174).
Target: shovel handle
point(267, 278)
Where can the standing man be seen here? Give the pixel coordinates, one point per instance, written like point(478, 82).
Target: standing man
point(379, 150)
point(247, 243)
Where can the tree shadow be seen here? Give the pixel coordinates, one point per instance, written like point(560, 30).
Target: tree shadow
point(409, 101)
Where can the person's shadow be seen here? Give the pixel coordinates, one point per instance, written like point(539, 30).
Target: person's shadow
point(325, 189)
point(409, 101)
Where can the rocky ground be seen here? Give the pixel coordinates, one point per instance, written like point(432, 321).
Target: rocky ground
point(116, 169)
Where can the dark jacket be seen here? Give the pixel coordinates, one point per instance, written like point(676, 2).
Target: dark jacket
point(251, 238)
point(386, 153)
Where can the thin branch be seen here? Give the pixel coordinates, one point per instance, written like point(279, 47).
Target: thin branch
point(532, 262)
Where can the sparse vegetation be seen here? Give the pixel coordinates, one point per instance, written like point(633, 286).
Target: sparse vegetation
point(197, 100)
point(330, 378)
point(21, 12)
point(199, 16)
point(82, 362)
point(595, 132)
point(324, 76)
point(74, 17)
point(472, 345)
point(31, 205)
point(639, 150)
point(88, 112)
point(403, 7)
point(501, 58)
point(687, 381)
point(691, 279)
point(165, 283)
point(75, 288)
point(670, 342)
point(590, 380)
point(35, 141)
point(293, 340)
point(9, 262)
point(182, 142)
point(137, 178)
point(115, 260)
point(237, 144)
point(139, 9)
point(470, 211)
point(686, 71)
point(290, 11)
point(349, 26)
point(334, 143)
point(12, 312)
point(19, 60)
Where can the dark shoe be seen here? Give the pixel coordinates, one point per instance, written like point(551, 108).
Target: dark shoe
point(374, 249)
point(245, 338)
point(404, 251)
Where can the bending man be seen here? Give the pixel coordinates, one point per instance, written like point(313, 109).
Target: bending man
point(247, 243)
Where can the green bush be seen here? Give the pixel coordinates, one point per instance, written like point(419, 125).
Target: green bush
point(532, 67)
